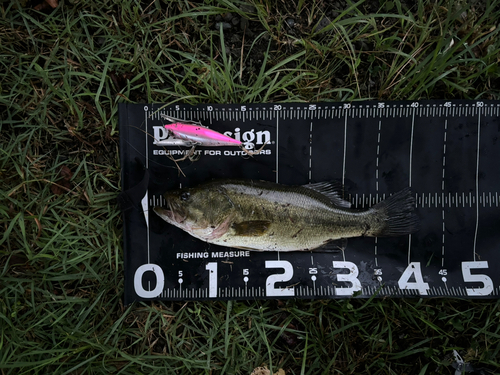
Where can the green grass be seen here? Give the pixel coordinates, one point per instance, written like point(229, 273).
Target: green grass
point(62, 74)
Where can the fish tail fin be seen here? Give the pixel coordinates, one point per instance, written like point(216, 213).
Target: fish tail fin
point(395, 216)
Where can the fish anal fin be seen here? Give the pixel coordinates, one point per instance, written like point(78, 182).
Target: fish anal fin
point(254, 228)
point(339, 244)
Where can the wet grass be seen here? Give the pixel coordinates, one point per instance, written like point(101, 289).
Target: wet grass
point(62, 74)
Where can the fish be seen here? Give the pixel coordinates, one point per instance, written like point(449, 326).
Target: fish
point(266, 216)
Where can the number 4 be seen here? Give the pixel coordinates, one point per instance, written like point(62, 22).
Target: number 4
point(419, 284)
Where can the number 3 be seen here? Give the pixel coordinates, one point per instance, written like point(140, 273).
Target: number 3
point(351, 277)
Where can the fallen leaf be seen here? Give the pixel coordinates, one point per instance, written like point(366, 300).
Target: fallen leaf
point(47, 4)
point(265, 371)
point(66, 173)
point(120, 80)
point(261, 371)
point(64, 183)
point(17, 259)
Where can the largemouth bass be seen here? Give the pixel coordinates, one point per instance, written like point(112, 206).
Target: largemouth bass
point(259, 215)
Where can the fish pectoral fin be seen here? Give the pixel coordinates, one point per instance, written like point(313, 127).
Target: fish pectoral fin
point(221, 229)
point(247, 248)
point(333, 245)
point(253, 228)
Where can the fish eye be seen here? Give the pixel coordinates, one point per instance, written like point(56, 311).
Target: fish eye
point(185, 196)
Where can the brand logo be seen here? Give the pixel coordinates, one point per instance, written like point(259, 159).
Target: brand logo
point(159, 134)
point(249, 138)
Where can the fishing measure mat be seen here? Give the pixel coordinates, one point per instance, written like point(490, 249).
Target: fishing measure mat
point(448, 152)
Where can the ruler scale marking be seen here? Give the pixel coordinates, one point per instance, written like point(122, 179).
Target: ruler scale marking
point(477, 186)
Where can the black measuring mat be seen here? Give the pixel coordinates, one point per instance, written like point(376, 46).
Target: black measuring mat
point(447, 152)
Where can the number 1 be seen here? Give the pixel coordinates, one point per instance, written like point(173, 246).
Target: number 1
point(212, 279)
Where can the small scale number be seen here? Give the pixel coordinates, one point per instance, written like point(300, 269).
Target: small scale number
point(414, 104)
point(312, 107)
point(277, 107)
point(313, 271)
point(377, 273)
point(443, 272)
point(381, 105)
point(210, 108)
point(447, 104)
point(243, 108)
point(480, 104)
point(347, 105)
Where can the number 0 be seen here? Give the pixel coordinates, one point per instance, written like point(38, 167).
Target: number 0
point(160, 280)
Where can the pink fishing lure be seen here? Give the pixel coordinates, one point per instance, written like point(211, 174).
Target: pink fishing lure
point(199, 135)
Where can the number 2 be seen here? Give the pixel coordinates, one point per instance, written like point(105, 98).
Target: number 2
point(272, 279)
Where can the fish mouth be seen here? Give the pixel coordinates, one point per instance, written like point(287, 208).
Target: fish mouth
point(173, 213)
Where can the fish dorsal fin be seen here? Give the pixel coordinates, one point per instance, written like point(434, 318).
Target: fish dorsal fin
point(331, 191)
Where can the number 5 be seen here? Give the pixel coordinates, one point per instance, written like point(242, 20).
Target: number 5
point(469, 277)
